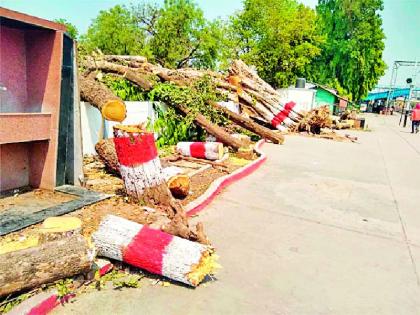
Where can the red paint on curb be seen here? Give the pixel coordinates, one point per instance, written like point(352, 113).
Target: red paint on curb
point(49, 304)
point(135, 150)
point(229, 179)
point(146, 249)
point(198, 150)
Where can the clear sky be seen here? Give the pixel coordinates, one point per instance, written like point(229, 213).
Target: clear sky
point(401, 22)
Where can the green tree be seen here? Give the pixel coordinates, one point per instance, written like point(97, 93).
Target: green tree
point(179, 35)
point(279, 37)
point(115, 31)
point(71, 29)
point(351, 57)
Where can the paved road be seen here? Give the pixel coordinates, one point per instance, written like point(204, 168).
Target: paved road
point(322, 228)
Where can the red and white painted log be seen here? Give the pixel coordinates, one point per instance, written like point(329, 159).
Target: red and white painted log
point(201, 150)
point(283, 117)
point(139, 162)
point(153, 250)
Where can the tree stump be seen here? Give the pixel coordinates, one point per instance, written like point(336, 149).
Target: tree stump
point(140, 166)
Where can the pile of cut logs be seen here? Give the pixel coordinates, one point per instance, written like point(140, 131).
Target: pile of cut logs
point(262, 112)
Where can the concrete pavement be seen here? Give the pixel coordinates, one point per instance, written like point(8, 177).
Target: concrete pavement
point(321, 228)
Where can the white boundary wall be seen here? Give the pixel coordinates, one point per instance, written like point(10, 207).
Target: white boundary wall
point(304, 98)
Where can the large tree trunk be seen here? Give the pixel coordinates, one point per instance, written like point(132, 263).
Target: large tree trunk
point(153, 250)
point(98, 95)
point(140, 166)
point(250, 125)
point(61, 252)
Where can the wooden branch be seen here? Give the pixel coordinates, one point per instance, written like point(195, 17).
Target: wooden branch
point(126, 72)
point(249, 124)
point(192, 159)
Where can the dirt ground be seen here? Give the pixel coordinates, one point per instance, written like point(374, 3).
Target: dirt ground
point(97, 178)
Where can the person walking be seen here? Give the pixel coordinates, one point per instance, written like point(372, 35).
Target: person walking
point(415, 119)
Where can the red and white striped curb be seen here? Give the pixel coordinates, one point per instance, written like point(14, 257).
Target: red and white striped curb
point(201, 150)
point(217, 186)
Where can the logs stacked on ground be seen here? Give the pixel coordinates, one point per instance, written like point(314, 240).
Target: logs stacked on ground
point(153, 250)
point(140, 73)
point(201, 150)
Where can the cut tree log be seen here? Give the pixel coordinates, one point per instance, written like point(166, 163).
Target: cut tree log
point(140, 166)
point(153, 250)
point(179, 185)
point(106, 152)
point(124, 71)
point(250, 125)
point(139, 59)
point(99, 96)
point(201, 150)
point(212, 129)
point(68, 254)
point(56, 228)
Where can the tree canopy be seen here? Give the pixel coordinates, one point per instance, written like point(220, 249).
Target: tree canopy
point(351, 57)
point(71, 29)
point(340, 44)
point(115, 32)
point(279, 37)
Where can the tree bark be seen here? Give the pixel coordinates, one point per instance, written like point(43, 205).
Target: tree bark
point(213, 129)
point(106, 152)
point(250, 125)
point(98, 95)
point(64, 256)
point(126, 72)
point(140, 166)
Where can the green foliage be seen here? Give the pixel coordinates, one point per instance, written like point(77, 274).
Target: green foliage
point(173, 127)
point(7, 304)
point(124, 89)
point(71, 29)
point(127, 282)
point(279, 37)
point(63, 287)
point(115, 32)
point(179, 35)
point(352, 53)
